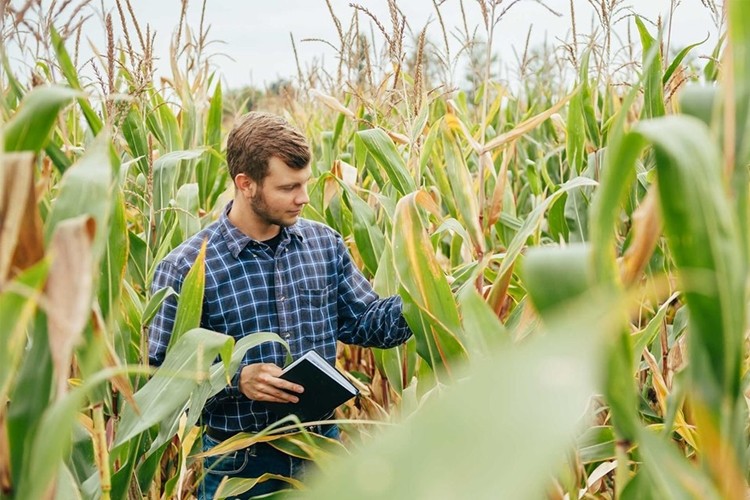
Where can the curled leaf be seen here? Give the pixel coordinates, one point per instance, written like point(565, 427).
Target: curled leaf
point(21, 242)
point(69, 290)
point(332, 103)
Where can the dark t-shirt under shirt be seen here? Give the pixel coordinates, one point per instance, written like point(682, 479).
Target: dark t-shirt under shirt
point(273, 243)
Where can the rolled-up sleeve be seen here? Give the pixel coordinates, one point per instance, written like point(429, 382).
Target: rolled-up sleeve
point(365, 319)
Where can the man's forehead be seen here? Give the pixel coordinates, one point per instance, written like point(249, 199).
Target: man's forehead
point(278, 170)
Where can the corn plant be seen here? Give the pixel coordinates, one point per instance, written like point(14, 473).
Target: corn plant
point(562, 344)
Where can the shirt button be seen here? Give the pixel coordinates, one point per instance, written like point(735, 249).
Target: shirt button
point(282, 299)
point(287, 335)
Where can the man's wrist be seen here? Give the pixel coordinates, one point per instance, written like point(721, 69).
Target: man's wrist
point(234, 387)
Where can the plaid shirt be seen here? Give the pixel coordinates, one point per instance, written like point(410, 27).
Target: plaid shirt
point(309, 292)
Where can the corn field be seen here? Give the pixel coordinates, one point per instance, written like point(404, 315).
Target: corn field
point(572, 255)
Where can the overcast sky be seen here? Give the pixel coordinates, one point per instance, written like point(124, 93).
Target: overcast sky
point(255, 35)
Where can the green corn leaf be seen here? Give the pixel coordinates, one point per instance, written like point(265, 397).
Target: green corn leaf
point(71, 75)
point(367, 234)
point(135, 135)
point(530, 225)
point(678, 60)
point(86, 189)
point(122, 478)
point(483, 330)
point(220, 372)
point(384, 151)
point(581, 118)
point(461, 188)
point(146, 471)
point(711, 70)
point(642, 339)
point(162, 122)
point(704, 239)
point(82, 461)
point(700, 102)
point(390, 363)
point(568, 268)
point(207, 170)
point(596, 444)
point(652, 67)
point(187, 204)
point(617, 176)
point(218, 377)
point(30, 397)
point(59, 159)
point(115, 259)
point(385, 282)
point(739, 34)
point(137, 272)
point(588, 102)
point(190, 303)
point(738, 18)
point(185, 366)
point(576, 133)
point(16, 91)
point(505, 446)
point(31, 125)
point(422, 278)
point(18, 303)
point(670, 475)
point(166, 173)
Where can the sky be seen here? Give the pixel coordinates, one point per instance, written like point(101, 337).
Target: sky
point(252, 37)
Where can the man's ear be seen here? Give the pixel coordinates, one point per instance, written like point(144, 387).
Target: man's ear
point(245, 185)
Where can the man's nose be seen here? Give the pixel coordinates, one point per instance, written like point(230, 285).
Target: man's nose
point(302, 198)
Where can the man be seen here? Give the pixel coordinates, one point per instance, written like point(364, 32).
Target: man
point(267, 269)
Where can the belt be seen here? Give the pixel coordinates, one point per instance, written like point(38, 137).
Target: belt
point(222, 435)
point(219, 434)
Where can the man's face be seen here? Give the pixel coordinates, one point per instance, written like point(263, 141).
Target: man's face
point(281, 197)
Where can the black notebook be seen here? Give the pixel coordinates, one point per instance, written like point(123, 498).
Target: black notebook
point(325, 389)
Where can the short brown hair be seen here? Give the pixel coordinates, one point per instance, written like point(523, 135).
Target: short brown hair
point(259, 136)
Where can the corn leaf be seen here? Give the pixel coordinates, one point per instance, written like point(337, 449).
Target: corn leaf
point(185, 366)
point(190, 303)
point(18, 302)
point(705, 243)
point(71, 74)
point(652, 67)
point(384, 151)
point(85, 189)
point(511, 392)
point(115, 259)
point(424, 281)
point(31, 125)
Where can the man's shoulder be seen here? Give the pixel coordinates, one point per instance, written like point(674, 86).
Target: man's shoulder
point(183, 255)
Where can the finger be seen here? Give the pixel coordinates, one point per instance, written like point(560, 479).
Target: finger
point(278, 396)
point(280, 383)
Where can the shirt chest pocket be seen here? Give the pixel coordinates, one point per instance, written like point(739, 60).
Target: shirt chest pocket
point(317, 310)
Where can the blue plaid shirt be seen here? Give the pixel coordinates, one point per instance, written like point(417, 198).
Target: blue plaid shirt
point(308, 291)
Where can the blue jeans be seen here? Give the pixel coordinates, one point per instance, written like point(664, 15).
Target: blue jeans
point(252, 462)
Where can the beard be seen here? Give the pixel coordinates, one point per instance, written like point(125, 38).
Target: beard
point(260, 207)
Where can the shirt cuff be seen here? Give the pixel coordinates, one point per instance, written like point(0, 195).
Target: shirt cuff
point(234, 388)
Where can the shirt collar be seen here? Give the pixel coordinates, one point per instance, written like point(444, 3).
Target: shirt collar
point(237, 240)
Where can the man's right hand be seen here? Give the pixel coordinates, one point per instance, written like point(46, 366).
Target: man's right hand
point(261, 382)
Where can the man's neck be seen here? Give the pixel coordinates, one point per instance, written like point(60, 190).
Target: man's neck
point(250, 224)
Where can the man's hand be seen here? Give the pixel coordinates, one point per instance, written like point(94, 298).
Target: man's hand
point(261, 382)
